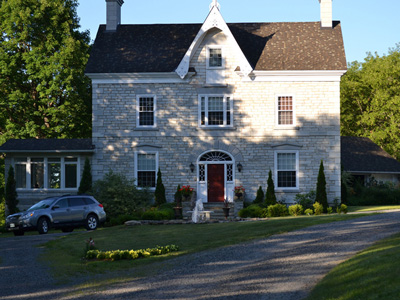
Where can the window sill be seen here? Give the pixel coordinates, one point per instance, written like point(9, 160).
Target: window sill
point(216, 128)
point(287, 128)
point(146, 129)
point(281, 190)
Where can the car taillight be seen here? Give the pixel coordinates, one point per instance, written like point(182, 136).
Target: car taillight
point(101, 205)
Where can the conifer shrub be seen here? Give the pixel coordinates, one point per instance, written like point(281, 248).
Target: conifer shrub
point(11, 195)
point(321, 196)
point(309, 212)
point(296, 210)
point(159, 193)
point(85, 185)
point(270, 198)
point(259, 196)
point(318, 208)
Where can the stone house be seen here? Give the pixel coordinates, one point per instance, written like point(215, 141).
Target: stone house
point(213, 105)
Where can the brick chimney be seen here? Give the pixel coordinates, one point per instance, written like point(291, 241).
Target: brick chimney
point(113, 14)
point(326, 13)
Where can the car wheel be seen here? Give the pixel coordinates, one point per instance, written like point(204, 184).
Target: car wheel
point(43, 226)
point(67, 229)
point(18, 233)
point(91, 222)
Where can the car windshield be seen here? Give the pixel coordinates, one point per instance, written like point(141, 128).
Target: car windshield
point(42, 204)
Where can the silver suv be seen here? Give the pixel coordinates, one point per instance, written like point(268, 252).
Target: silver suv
point(65, 212)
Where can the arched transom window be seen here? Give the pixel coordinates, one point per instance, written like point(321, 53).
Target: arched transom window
point(215, 156)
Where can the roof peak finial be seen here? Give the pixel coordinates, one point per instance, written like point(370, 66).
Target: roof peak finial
point(215, 3)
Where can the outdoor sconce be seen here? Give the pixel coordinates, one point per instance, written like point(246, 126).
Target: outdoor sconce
point(240, 167)
point(191, 167)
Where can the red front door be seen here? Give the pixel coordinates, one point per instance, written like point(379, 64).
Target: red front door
point(216, 183)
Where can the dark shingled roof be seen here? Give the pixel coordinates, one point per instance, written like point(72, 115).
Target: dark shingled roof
point(360, 154)
point(47, 145)
point(267, 46)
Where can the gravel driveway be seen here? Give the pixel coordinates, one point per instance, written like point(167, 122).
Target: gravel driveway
point(285, 266)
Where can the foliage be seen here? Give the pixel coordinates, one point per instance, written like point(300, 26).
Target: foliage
point(11, 192)
point(277, 210)
point(85, 185)
point(320, 195)
point(186, 190)
point(370, 100)
point(119, 195)
point(44, 92)
point(121, 219)
point(306, 200)
point(130, 254)
point(329, 210)
point(381, 194)
point(259, 196)
point(159, 193)
point(159, 214)
point(2, 198)
point(253, 211)
point(296, 210)
point(178, 196)
point(270, 198)
point(239, 189)
point(318, 208)
point(342, 209)
point(309, 212)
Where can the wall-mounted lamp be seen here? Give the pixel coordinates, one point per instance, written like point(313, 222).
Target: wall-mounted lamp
point(191, 167)
point(240, 167)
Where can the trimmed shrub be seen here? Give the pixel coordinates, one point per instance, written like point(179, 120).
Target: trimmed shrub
point(11, 192)
point(309, 212)
point(305, 200)
point(270, 198)
point(86, 182)
point(296, 210)
point(119, 195)
point(159, 214)
point(159, 193)
point(277, 210)
point(318, 208)
point(329, 210)
point(259, 196)
point(342, 209)
point(382, 194)
point(253, 211)
point(178, 196)
point(321, 196)
point(120, 220)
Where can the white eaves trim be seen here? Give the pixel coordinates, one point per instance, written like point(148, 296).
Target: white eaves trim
point(301, 75)
point(170, 77)
point(213, 20)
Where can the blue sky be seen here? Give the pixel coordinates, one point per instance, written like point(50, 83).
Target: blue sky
point(368, 25)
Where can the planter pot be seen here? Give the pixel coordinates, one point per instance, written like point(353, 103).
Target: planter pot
point(178, 212)
point(186, 198)
point(226, 212)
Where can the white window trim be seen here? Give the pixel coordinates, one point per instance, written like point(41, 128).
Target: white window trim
point(46, 173)
point(276, 170)
point(208, 57)
point(277, 111)
point(154, 110)
point(206, 96)
point(136, 166)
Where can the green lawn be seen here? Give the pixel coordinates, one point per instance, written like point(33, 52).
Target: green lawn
point(371, 208)
point(65, 254)
point(371, 274)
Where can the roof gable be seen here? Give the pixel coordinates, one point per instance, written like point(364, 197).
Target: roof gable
point(213, 20)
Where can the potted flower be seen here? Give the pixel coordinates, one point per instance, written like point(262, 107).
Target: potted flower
point(239, 191)
point(226, 209)
point(186, 192)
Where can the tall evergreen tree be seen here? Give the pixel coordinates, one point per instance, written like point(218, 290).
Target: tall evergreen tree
point(86, 182)
point(270, 198)
point(321, 196)
point(159, 194)
point(11, 192)
point(259, 196)
point(44, 92)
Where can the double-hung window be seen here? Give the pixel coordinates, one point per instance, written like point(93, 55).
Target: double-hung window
point(287, 169)
point(215, 111)
point(285, 111)
point(146, 169)
point(146, 111)
point(214, 57)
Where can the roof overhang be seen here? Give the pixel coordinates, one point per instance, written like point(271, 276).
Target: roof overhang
point(155, 77)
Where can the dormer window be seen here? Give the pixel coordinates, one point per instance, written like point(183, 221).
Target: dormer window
point(215, 58)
